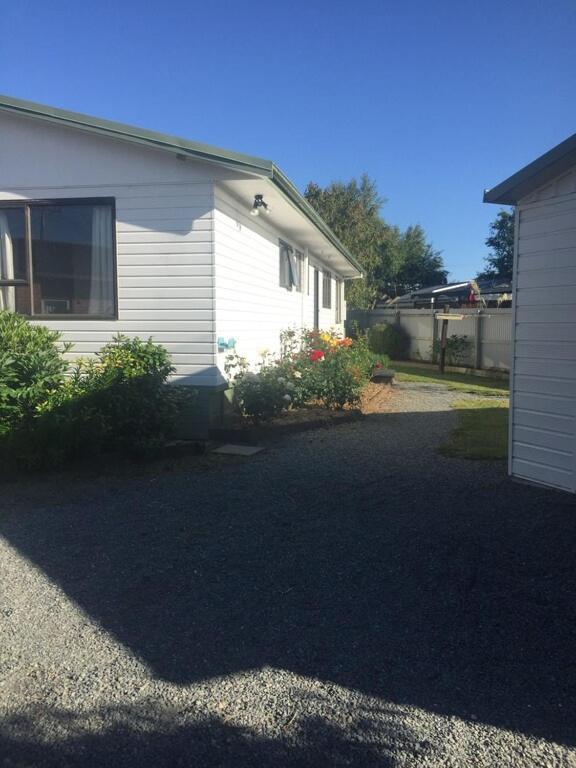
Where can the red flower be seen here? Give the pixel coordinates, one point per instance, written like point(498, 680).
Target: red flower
point(378, 365)
point(315, 355)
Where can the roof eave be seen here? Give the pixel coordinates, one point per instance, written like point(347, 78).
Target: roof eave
point(110, 128)
point(285, 186)
point(534, 175)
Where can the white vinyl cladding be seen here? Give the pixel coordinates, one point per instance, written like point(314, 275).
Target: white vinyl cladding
point(164, 234)
point(251, 306)
point(543, 423)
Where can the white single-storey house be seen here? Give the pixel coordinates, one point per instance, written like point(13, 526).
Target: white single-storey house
point(106, 228)
point(543, 378)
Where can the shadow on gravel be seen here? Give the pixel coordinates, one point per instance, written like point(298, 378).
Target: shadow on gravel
point(137, 737)
point(390, 570)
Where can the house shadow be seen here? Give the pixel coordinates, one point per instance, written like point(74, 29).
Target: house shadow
point(356, 555)
point(139, 736)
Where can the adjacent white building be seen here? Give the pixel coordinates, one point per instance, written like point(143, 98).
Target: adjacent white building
point(543, 383)
point(107, 228)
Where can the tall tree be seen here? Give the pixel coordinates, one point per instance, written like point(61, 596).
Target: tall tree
point(393, 261)
point(501, 240)
point(419, 264)
point(352, 211)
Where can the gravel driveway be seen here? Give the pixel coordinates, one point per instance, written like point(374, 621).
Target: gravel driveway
point(346, 597)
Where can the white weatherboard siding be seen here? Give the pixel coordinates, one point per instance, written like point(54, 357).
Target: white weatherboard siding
point(251, 306)
point(543, 423)
point(164, 233)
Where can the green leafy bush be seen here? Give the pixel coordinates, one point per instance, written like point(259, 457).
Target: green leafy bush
point(122, 397)
point(458, 349)
point(116, 401)
point(32, 367)
point(388, 339)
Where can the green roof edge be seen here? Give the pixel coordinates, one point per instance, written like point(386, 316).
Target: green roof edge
point(132, 133)
point(237, 160)
point(284, 184)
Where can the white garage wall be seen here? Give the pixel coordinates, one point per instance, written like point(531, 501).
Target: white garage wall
point(543, 424)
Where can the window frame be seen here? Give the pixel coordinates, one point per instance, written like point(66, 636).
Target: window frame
point(339, 302)
point(29, 281)
point(326, 289)
point(299, 256)
point(285, 253)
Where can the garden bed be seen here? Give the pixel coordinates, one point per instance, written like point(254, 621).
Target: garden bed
point(297, 420)
point(374, 399)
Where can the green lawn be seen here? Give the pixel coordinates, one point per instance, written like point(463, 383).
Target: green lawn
point(474, 385)
point(482, 431)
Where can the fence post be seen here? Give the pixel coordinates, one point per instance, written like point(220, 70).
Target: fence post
point(478, 340)
point(434, 336)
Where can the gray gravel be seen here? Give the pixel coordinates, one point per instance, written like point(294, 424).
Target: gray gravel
point(346, 597)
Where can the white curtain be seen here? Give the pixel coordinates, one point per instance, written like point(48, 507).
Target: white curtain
point(101, 273)
point(7, 292)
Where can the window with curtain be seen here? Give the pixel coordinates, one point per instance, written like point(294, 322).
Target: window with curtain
point(57, 258)
point(291, 267)
point(326, 290)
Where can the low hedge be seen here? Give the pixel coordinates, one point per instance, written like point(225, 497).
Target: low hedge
point(389, 339)
point(51, 412)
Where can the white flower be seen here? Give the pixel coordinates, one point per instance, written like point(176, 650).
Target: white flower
point(297, 375)
point(287, 398)
point(263, 352)
point(281, 380)
point(289, 385)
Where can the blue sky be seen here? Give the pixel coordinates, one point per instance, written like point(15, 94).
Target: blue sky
point(434, 100)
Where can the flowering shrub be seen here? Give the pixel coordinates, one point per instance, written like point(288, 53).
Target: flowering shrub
point(258, 395)
point(313, 367)
point(340, 367)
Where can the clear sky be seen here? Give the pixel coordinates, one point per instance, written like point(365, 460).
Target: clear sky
point(435, 100)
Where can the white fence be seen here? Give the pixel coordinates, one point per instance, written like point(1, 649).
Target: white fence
point(489, 332)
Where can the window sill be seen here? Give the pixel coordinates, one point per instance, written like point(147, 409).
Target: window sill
point(71, 317)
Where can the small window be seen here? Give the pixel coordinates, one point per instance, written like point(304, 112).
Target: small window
point(326, 290)
point(339, 289)
point(291, 267)
point(57, 258)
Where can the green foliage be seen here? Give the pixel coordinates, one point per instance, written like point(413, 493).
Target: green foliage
point(419, 264)
point(501, 240)
point(31, 368)
point(117, 401)
point(389, 339)
point(352, 211)
point(458, 349)
point(394, 262)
